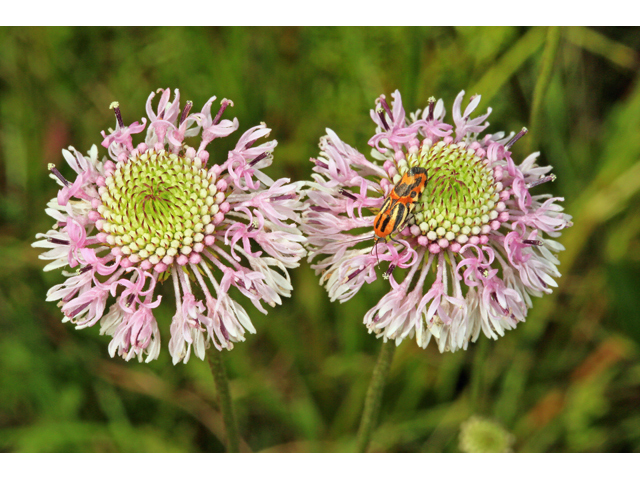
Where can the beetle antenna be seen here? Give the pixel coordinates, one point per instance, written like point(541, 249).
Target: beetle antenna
point(375, 246)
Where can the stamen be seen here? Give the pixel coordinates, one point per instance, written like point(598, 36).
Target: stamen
point(320, 164)
point(58, 241)
point(224, 331)
point(251, 142)
point(517, 137)
point(116, 109)
point(389, 271)
point(541, 180)
point(223, 107)
point(185, 112)
point(85, 269)
point(431, 108)
point(353, 275)
point(291, 196)
point(130, 299)
point(54, 170)
point(79, 309)
point(262, 156)
point(380, 113)
point(537, 243)
point(347, 194)
point(315, 208)
point(495, 299)
point(385, 105)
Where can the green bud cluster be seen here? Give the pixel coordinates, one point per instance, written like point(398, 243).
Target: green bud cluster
point(480, 435)
point(157, 206)
point(460, 198)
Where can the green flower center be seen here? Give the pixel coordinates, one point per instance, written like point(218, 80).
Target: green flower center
point(157, 206)
point(478, 435)
point(461, 196)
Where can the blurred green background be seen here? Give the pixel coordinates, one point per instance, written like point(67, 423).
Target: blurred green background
point(568, 380)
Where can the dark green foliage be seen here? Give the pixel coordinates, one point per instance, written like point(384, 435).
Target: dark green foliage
point(566, 380)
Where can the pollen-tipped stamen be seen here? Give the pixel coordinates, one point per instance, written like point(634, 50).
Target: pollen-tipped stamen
point(58, 241)
point(516, 137)
point(260, 157)
point(56, 172)
point(431, 107)
point(347, 194)
point(380, 112)
point(115, 106)
point(389, 271)
point(541, 180)
point(535, 243)
point(185, 112)
point(385, 105)
point(223, 106)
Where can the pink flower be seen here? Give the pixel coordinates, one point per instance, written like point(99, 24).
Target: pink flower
point(156, 211)
point(89, 307)
point(474, 247)
point(242, 158)
point(393, 131)
point(136, 335)
point(213, 128)
point(188, 329)
point(163, 119)
point(120, 138)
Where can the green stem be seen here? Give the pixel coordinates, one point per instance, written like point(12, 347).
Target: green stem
point(542, 84)
point(477, 375)
point(374, 395)
point(216, 364)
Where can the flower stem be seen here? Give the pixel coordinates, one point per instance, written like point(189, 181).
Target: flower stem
point(374, 395)
point(544, 78)
point(477, 375)
point(216, 364)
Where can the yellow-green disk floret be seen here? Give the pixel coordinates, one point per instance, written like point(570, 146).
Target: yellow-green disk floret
point(461, 201)
point(159, 207)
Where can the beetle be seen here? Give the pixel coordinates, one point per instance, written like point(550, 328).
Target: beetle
point(399, 203)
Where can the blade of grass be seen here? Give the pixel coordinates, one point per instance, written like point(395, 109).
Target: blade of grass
point(544, 77)
point(596, 43)
point(509, 63)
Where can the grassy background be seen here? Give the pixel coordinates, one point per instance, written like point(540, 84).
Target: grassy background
point(566, 380)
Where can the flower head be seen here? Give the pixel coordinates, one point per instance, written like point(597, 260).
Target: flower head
point(469, 246)
point(161, 211)
point(480, 435)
